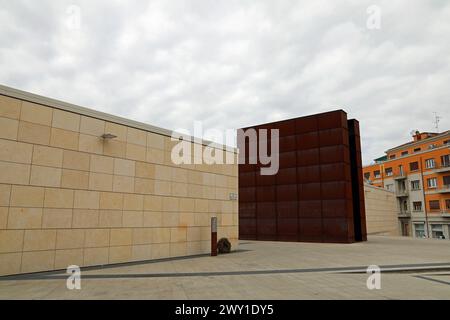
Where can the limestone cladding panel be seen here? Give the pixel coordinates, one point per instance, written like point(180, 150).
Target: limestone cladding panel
point(381, 211)
point(68, 196)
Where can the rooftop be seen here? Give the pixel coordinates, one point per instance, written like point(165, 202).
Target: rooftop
point(427, 137)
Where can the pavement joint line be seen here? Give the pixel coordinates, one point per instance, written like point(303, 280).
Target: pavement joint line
point(46, 274)
point(433, 280)
point(348, 270)
point(438, 268)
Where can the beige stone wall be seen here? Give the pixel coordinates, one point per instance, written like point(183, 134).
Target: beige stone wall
point(381, 211)
point(69, 197)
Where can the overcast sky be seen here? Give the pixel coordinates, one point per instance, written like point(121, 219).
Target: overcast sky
point(232, 64)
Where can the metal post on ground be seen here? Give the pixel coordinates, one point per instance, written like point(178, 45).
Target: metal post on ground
point(213, 236)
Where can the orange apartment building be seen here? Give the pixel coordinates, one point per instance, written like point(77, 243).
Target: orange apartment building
point(418, 172)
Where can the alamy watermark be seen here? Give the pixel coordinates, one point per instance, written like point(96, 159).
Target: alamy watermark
point(253, 144)
point(73, 19)
point(374, 17)
point(73, 282)
point(374, 280)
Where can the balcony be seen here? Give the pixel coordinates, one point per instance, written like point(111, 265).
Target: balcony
point(444, 167)
point(445, 213)
point(400, 176)
point(404, 214)
point(401, 193)
point(444, 189)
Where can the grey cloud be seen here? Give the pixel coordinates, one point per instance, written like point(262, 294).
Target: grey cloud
point(232, 64)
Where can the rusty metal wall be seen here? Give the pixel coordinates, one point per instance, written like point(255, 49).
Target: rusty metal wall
point(314, 194)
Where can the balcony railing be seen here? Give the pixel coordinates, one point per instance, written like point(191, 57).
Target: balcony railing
point(443, 167)
point(445, 213)
point(404, 214)
point(402, 193)
point(400, 176)
point(444, 189)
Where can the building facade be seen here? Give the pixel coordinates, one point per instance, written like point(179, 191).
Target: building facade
point(80, 187)
point(317, 194)
point(418, 173)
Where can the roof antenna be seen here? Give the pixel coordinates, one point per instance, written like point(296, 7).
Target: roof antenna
point(437, 118)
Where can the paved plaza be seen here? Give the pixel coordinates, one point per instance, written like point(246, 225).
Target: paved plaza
point(411, 269)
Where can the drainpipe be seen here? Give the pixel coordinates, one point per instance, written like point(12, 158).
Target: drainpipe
point(424, 199)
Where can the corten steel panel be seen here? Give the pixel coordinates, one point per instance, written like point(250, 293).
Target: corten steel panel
point(310, 209)
point(317, 195)
point(286, 176)
point(247, 228)
point(248, 209)
point(266, 193)
point(266, 210)
point(308, 157)
point(311, 230)
point(287, 209)
point(309, 174)
point(288, 143)
point(308, 140)
point(336, 209)
point(309, 191)
point(247, 179)
point(287, 226)
point(247, 194)
point(332, 137)
point(335, 172)
point(286, 127)
point(306, 124)
point(288, 159)
point(265, 180)
point(286, 192)
point(266, 226)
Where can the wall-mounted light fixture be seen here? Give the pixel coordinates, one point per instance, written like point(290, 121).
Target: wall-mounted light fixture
point(233, 196)
point(108, 136)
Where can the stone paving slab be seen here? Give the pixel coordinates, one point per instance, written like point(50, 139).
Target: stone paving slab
point(262, 270)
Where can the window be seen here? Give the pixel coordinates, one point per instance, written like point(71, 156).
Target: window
point(376, 174)
point(401, 187)
point(447, 204)
point(389, 172)
point(434, 205)
point(446, 180)
point(367, 175)
point(419, 229)
point(445, 161)
point(405, 205)
point(389, 187)
point(447, 142)
point(415, 185)
point(417, 149)
point(432, 183)
point(437, 232)
point(392, 156)
point(404, 153)
point(431, 146)
point(417, 205)
point(430, 163)
point(413, 166)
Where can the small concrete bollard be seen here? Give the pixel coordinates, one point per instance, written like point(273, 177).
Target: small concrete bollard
point(213, 236)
